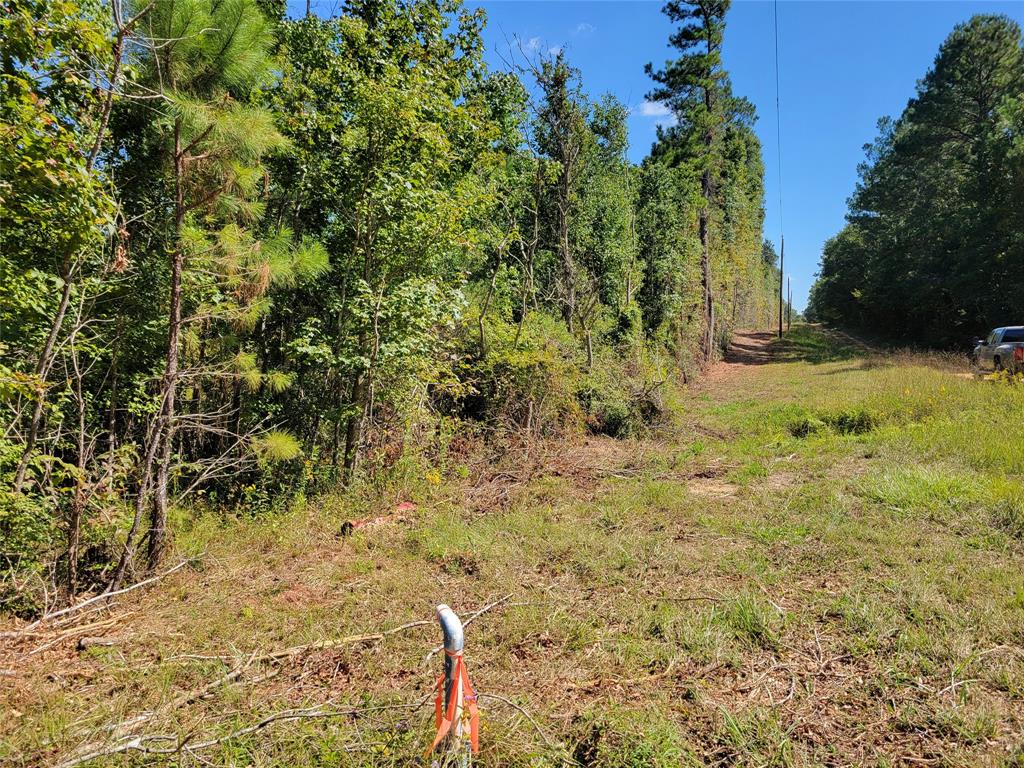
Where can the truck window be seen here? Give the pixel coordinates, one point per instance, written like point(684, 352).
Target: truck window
point(992, 337)
point(1013, 335)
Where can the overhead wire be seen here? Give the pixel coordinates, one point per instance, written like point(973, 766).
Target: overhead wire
point(778, 147)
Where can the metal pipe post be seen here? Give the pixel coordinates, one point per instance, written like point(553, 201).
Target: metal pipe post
point(454, 641)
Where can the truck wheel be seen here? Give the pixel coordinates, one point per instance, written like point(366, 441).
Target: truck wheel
point(997, 364)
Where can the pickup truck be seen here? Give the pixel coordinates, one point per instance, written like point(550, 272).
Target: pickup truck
point(1002, 350)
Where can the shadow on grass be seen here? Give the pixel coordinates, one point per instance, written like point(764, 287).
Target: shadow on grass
point(815, 344)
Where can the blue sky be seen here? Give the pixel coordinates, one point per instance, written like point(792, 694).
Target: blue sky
point(843, 65)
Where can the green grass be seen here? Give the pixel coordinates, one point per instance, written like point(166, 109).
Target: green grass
point(821, 564)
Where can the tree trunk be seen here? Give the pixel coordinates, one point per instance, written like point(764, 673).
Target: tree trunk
point(353, 430)
point(145, 481)
point(708, 336)
point(782, 273)
point(78, 502)
point(487, 306)
point(42, 370)
point(108, 472)
point(565, 186)
point(158, 513)
point(568, 266)
point(706, 188)
point(633, 201)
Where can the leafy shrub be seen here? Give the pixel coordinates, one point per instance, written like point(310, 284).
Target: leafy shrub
point(620, 409)
point(624, 394)
point(806, 426)
point(27, 533)
point(851, 421)
point(534, 375)
point(528, 377)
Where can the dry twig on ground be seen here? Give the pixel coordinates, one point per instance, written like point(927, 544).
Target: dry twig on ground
point(102, 597)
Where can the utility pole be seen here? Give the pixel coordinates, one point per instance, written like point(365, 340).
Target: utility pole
point(782, 271)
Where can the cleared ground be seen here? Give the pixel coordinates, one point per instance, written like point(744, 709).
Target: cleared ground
point(820, 563)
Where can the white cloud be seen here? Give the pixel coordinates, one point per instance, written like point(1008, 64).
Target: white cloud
point(584, 29)
point(555, 50)
point(533, 44)
point(653, 109)
point(660, 112)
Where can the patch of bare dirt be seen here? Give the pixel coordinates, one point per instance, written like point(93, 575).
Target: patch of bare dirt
point(779, 481)
point(712, 488)
point(748, 348)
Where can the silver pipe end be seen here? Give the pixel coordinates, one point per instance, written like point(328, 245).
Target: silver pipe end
point(454, 639)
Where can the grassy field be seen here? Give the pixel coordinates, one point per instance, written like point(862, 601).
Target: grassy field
point(821, 563)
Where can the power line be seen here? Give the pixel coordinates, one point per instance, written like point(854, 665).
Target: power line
point(778, 113)
point(778, 146)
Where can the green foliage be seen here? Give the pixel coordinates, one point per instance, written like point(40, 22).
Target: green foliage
point(847, 421)
point(624, 397)
point(27, 533)
point(932, 251)
point(703, 281)
point(249, 257)
point(277, 446)
point(529, 378)
point(53, 206)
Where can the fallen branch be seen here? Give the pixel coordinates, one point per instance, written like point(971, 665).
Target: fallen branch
point(142, 743)
point(285, 654)
point(75, 631)
point(320, 645)
point(693, 599)
point(139, 743)
point(521, 711)
point(103, 596)
point(256, 659)
point(652, 678)
point(957, 683)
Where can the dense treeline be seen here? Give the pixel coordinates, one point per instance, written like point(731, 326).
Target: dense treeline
point(933, 251)
point(246, 257)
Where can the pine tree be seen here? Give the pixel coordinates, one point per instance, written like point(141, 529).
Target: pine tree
point(695, 87)
point(933, 248)
point(561, 135)
point(204, 60)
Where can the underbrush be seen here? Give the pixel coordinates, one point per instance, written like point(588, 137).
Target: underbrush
point(534, 376)
point(33, 551)
point(731, 594)
point(526, 382)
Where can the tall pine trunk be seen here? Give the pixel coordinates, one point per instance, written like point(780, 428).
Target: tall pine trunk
point(706, 188)
point(158, 512)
